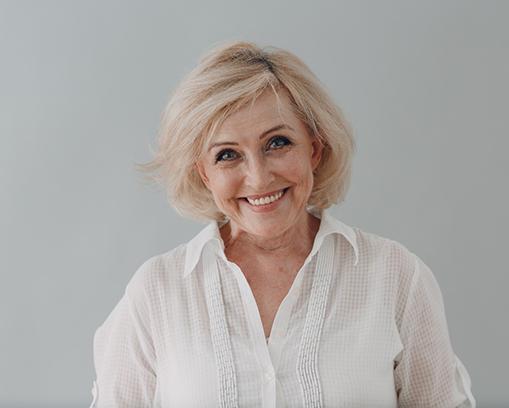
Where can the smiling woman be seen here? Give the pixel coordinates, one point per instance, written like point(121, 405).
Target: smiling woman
point(275, 302)
point(228, 81)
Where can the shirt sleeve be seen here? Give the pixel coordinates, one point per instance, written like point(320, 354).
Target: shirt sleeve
point(124, 357)
point(427, 372)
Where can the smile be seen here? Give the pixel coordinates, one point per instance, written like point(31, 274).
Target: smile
point(268, 199)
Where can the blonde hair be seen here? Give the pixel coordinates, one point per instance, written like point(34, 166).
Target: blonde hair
point(225, 79)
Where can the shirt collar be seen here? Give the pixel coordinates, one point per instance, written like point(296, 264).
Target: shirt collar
point(210, 235)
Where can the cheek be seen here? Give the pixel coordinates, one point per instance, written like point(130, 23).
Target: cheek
point(298, 169)
point(224, 185)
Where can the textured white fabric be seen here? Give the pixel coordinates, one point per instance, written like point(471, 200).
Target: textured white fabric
point(363, 325)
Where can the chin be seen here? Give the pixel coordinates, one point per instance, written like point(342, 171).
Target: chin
point(267, 229)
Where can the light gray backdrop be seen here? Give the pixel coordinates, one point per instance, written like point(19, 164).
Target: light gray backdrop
point(82, 86)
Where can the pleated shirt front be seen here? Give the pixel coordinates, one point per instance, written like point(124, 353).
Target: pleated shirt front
point(363, 325)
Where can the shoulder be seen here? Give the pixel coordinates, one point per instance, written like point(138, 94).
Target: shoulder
point(165, 271)
point(397, 268)
point(390, 262)
point(157, 272)
point(375, 248)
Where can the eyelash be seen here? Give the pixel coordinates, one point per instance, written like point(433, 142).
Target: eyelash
point(222, 152)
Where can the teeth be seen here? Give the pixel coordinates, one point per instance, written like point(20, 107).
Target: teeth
point(265, 200)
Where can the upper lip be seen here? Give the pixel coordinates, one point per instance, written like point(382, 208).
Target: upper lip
point(254, 197)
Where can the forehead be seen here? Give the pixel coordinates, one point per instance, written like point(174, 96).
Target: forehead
point(267, 110)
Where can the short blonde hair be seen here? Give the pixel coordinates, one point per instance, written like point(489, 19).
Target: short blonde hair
point(226, 79)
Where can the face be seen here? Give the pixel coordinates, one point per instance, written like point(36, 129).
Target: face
point(259, 168)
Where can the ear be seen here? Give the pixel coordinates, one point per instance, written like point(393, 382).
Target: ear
point(201, 171)
point(316, 155)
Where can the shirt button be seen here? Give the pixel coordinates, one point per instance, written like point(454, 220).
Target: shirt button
point(269, 375)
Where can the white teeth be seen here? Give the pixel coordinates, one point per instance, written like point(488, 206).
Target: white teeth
point(265, 200)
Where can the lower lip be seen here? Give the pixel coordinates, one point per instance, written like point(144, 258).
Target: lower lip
point(266, 207)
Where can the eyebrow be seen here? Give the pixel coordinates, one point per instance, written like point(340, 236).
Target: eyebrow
point(265, 133)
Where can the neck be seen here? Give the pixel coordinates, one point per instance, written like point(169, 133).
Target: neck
point(285, 244)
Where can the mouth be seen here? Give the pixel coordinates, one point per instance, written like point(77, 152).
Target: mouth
point(261, 201)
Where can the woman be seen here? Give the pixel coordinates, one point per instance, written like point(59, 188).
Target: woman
point(275, 303)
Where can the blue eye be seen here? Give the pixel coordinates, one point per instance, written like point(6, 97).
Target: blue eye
point(278, 142)
point(226, 155)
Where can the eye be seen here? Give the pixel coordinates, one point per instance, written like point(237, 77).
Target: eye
point(278, 142)
point(226, 155)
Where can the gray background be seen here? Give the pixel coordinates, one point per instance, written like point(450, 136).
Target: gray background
point(82, 86)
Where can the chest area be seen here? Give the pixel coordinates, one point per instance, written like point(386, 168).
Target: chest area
point(268, 301)
point(352, 369)
point(269, 285)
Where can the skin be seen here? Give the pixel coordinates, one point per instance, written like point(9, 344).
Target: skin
point(269, 247)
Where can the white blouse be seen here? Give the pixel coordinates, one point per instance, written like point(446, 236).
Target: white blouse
point(363, 325)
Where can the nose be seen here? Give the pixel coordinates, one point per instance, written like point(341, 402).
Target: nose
point(259, 175)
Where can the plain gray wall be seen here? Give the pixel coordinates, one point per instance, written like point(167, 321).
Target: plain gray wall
point(82, 85)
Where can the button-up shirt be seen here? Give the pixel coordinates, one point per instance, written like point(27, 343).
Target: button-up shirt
point(362, 325)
